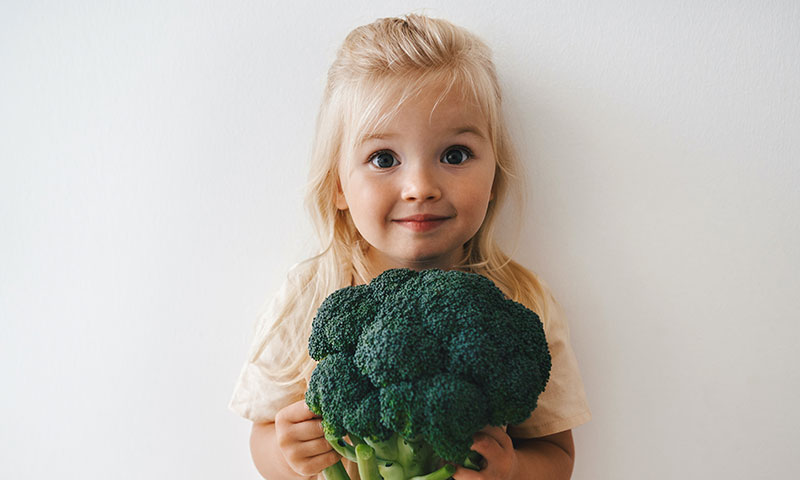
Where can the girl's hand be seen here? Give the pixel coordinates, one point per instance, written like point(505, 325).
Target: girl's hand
point(301, 440)
point(494, 444)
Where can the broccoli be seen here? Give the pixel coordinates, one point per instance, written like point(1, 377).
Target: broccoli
point(413, 364)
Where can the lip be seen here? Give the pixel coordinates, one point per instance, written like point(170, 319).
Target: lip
point(421, 223)
point(421, 218)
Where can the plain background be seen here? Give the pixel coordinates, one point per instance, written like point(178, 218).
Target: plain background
point(154, 155)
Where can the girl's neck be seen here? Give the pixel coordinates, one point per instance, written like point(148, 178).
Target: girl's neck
point(377, 264)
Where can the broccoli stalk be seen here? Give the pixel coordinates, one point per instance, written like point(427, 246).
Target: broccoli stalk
point(336, 472)
point(393, 459)
point(367, 463)
point(412, 365)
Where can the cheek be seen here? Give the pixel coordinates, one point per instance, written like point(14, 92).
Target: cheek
point(476, 198)
point(481, 187)
point(367, 201)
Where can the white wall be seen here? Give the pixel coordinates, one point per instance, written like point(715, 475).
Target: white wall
point(153, 156)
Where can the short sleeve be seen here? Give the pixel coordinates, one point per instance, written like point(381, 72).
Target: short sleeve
point(256, 395)
point(562, 405)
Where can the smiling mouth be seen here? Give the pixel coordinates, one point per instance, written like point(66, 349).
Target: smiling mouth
point(421, 225)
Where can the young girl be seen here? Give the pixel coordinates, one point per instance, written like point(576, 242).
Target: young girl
point(410, 167)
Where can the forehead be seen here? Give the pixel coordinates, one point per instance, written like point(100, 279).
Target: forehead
point(432, 105)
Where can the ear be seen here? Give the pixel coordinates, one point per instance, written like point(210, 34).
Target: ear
point(341, 201)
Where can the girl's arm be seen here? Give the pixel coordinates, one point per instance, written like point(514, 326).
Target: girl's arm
point(547, 458)
point(550, 457)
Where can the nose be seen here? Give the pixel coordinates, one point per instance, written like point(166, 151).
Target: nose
point(420, 183)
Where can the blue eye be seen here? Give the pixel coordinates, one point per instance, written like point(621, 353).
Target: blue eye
point(383, 159)
point(456, 155)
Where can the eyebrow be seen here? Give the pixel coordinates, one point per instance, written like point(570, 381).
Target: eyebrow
point(456, 131)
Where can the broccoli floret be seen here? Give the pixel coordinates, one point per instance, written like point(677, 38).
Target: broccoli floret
point(331, 331)
point(346, 400)
point(412, 365)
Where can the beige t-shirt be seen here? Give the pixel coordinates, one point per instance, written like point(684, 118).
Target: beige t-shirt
point(562, 405)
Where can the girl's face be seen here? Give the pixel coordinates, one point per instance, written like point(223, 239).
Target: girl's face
point(438, 164)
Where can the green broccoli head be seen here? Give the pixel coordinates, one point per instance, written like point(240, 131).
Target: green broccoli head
point(431, 355)
point(345, 398)
point(333, 331)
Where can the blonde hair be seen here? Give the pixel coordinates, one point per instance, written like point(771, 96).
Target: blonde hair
point(378, 67)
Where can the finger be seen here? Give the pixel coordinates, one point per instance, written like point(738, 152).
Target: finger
point(307, 430)
point(488, 446)
point(499, 435)
point(313, 448)
point(463, 473)
point(314, 465)
point(295, 412)
point(486, 438)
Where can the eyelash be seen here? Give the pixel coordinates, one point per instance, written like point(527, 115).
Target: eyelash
point(462, 148)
